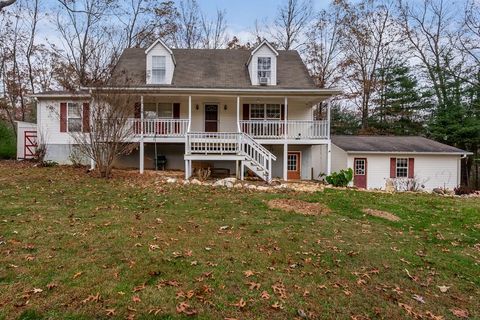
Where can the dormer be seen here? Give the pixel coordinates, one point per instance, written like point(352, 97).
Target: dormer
point(262, 65)
point(160, 63)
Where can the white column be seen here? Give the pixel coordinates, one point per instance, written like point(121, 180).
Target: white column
point(92, 134)
point(329, 158)
point(238, 114)
point(142, 149)
point(285, 161)
point(328, 120)
point(285, 121)
point(242, 171)
point(189, 113)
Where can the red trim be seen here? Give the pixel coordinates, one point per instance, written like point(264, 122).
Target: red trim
point(393, 168)
point(63, 117)
point(86, 117)
point(360, 180)
point(411, 168)
point(246, 112)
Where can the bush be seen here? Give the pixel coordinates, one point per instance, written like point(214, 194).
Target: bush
point(8, 148)
point(463, 190)
point(340, 179)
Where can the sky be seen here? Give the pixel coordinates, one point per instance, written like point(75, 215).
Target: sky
point(241, 14)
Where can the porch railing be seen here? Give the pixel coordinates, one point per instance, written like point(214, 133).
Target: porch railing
point(159, 127)
point(295, 129)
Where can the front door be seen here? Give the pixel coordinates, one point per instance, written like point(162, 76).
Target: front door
point(211, 118)
point(360, 172)
point(294, 160)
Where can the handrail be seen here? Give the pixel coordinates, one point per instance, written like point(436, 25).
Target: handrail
point(294, 129)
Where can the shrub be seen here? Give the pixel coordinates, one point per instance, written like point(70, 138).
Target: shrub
point(463, 190)
point(7, 142)
point(340, 179)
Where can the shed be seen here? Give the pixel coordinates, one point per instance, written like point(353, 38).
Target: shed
point(26, 140)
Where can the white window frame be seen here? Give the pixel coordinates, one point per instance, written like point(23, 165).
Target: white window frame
point(265, 111)
point(157, 104)
point(397, 160)
point(164, 69)
point(261, 69)
point(360, 160)
point(81, 116)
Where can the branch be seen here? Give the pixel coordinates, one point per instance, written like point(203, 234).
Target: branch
point(5, 3)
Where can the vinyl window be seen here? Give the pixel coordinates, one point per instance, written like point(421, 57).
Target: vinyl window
point(158, 69)
point(158, 110)
point(402, 168)
point(265, 112)
point(264, 67)
point(74, 117)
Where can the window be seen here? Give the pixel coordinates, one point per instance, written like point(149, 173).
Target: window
point(264, 67)
point(158, 110)
point(74, 117)
point(359, 167)
point(265, 112)
point(402, 168)
point(292, 162)
point(158, 69)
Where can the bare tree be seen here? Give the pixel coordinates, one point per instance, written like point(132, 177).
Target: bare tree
point(368, 36)
point(90, 45)
point(291, 20)
point(189, 32)
point(214, 31)
point(107, 132)
point(5, 3)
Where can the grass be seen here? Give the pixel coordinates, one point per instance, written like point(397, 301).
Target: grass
point(77, 247)
point(7, 142)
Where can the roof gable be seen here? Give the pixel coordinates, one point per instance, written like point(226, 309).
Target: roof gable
point(160, 42)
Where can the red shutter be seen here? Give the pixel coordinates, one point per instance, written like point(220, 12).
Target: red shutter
point(393, 168)
point(176, 111)
point(246, 112)
point(411, 167)
point(86, 117)
point(63, 117)
point(137, 110)
point(282, 112)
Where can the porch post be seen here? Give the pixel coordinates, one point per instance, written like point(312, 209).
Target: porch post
point(285, 122)
point(242, 171)
point(329, 146)
point(328, 119)
point(285, 161)
point(189, 113)
point(92, 134)
point(142, 149)
point(238, 114)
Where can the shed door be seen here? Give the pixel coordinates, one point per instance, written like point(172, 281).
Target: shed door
point(360, 173)
point(30, 144)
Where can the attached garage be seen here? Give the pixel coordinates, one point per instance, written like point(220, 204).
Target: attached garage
point(379, 161)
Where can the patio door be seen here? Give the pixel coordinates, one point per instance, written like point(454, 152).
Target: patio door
point(360, 172)
point(211, 118)
point(294, 160)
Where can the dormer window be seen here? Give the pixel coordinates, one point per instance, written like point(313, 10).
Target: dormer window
point(264, 67)
point(158, 69)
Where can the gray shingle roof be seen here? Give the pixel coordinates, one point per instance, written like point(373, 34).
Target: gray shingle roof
point(392, 144)
point(208, 68)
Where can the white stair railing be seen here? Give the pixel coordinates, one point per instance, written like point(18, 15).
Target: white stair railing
point(256, 157)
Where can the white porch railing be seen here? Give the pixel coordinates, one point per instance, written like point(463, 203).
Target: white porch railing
point(296, 129)
point(255, 156)
point(159, 127)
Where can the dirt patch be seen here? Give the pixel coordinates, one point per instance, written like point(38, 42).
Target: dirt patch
point(298, 206)
point(381, 214)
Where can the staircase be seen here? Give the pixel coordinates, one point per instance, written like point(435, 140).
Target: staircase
point(230, 146)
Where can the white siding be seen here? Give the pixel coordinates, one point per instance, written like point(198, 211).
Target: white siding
point(160, 50)
point(339, 159)
point(263, 51)
point(432, 171)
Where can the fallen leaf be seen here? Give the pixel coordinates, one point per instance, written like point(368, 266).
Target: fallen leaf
point(418, 298)
point(76, 275)
point(37, 290)
point(253, 285)
point(248, 273)
point(277, 306)
point(443, 289)
point(265, 295)
point(186, 309)
point(110, 312)
point(460, 313)
point(136, 299)
point(240, 304)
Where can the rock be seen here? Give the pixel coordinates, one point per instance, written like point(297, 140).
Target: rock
point(438, 191)
point(251, 187)
point(171, 180)
point(263, 188)
point(238, 186)
point(186, 182)
point(227, 182)
point(196, 182)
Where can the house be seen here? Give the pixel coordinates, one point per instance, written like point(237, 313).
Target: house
point(231, 110)
point(379, 160)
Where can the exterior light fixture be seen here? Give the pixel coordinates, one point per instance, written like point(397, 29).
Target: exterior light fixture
point(225, 107)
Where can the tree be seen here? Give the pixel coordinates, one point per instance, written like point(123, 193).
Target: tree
point(107, 133)
point(5, 3)
point(189, 29)
point(367, 37)
point(214, 32)
point(291, 20)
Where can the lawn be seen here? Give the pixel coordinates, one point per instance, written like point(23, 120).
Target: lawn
point(78, 247)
